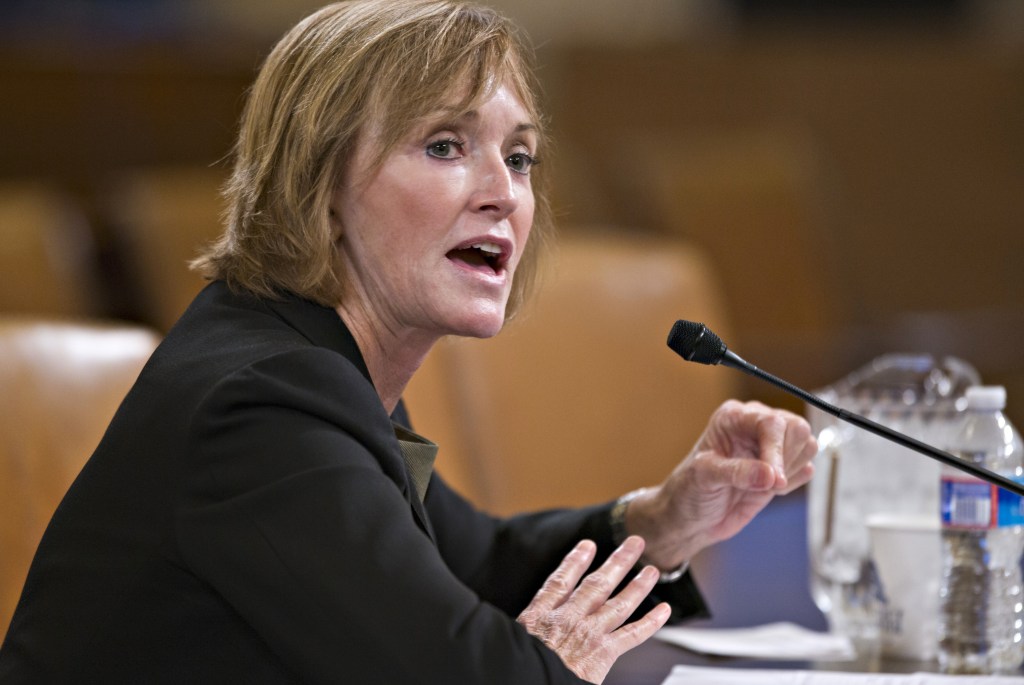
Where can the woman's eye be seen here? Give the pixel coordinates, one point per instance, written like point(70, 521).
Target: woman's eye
point(520, 162)
point(445, 149)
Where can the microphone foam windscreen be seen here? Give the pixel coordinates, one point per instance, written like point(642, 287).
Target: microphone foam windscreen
point(694, 342)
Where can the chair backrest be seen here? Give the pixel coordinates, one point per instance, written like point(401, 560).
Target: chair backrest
point(60, 384)
point(165, 217)
point(579, 400)
point(47, 253)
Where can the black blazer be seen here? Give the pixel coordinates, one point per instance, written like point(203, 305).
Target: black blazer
point(248, 518)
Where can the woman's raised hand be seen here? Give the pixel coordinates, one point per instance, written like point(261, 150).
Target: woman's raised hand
point(748, 454)
point(581, 621)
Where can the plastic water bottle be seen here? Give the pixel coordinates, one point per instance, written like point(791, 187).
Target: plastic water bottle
point(981, 600)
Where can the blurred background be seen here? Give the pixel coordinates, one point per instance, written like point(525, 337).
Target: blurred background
point(850, 172)
point(853, 168)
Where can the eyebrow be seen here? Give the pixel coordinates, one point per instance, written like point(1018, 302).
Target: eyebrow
point(454, 116)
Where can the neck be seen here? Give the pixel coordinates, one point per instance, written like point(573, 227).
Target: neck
point(391, 357)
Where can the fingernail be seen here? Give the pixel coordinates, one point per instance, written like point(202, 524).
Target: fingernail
point(648, 573)
point(633, 544)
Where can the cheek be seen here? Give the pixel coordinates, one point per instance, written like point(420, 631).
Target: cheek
point(416, 205)
point(523, 225)
point(390, 217)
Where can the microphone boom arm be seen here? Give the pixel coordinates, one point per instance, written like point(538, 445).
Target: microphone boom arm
point(732, 360)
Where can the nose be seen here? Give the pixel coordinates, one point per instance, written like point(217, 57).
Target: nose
point(497, 190)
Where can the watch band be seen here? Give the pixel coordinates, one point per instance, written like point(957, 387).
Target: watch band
point(618, 515)
point(617, 519)
point(675, 574)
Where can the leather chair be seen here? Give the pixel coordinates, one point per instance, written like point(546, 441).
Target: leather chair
point(579, 399)
point(47, 253)
point(61, 384)
point(164, 216)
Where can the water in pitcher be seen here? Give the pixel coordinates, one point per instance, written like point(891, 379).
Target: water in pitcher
point(859, 475)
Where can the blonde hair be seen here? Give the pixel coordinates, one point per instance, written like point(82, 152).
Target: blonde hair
point(347, 67)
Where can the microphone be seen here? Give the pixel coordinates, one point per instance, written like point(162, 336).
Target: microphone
point(695, 342)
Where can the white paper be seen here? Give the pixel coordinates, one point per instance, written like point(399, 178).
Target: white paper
point(694, 675)
point(786, 641)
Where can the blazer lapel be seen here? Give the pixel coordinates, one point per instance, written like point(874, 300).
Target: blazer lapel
point(324, 328)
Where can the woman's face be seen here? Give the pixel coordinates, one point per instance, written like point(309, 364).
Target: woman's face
point(429, 243)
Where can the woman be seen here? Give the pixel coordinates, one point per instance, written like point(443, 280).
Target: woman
point(259, 510)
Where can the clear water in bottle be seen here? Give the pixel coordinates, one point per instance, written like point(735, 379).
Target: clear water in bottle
point(981, 601)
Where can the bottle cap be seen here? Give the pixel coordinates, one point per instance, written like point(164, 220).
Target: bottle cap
point(986, 397)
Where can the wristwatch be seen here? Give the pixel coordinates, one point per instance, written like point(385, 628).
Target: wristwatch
point(617, 518)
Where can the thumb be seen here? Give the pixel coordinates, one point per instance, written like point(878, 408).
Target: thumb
point(741, 473)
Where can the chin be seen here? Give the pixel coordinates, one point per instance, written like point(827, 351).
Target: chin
point(482, 325)
point(481, 331)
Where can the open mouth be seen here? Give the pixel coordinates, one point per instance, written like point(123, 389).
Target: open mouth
point(482, 256)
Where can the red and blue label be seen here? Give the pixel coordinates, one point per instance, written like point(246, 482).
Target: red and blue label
point(975, 504)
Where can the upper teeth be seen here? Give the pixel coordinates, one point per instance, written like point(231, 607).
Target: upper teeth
point(490, 248)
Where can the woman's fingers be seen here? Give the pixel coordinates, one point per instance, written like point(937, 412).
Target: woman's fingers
point(618, 608)
point(636, 633)
point(803, 447)
point(583, 623)
point(596, 588)
point(560, 585)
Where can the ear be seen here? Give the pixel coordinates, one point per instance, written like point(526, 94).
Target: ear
point(334, 217)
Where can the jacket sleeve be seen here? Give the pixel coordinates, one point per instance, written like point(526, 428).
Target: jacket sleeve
point(294, 514)
point(505, 561)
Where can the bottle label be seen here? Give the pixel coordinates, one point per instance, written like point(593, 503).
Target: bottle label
point(972, 503)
